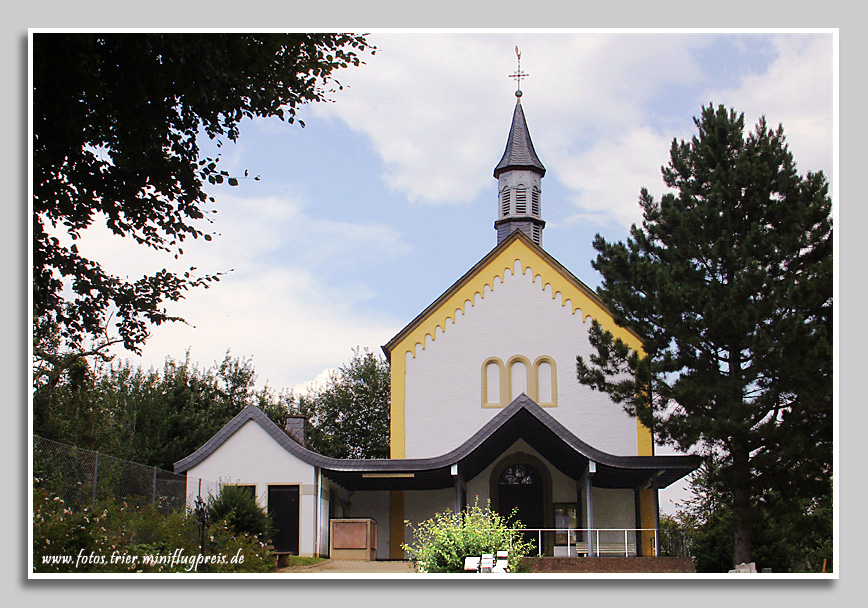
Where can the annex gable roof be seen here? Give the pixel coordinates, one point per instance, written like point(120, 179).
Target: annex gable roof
point(522, 419)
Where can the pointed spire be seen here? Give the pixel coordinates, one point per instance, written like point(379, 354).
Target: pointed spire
point(519, 153)
point(519, 178)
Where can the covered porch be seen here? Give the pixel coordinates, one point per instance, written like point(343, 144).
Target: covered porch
point(569, 498)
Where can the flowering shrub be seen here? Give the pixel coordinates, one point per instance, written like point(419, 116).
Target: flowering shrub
point(441, 543)
point(255, 554)
point(121, 537)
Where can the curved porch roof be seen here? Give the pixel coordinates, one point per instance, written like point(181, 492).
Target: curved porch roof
point(521, 419)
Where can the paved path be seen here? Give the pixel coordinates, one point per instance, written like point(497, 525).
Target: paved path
point(353, 566)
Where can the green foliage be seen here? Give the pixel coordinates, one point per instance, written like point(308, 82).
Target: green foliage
point(349, 416)
point(153, 417)
point(117, 120)
point(441, 543)
point(728, 282)
point(786, 537)
point(673, 537)
point(87, 540)
point(238, 508)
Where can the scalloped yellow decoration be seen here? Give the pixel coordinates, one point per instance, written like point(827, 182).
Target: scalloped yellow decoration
point(540, 269)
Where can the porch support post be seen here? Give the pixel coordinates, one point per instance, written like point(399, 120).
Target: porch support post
point(589, 506)
point(460, 487)
point(637, 509)
point(656, 493)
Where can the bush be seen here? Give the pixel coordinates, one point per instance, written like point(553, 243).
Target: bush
point(237, 506)
point(86, 540)
point(441, 543)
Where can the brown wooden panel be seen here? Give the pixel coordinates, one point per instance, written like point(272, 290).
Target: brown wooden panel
point(350, 534)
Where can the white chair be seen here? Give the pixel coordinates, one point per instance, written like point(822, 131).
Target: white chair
point(486, 563)
point(471, 564)
point(502, 563)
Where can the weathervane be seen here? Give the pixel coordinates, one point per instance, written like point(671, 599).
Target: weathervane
point(518, 74)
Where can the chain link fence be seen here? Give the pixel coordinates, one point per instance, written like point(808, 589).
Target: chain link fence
point(82, 477)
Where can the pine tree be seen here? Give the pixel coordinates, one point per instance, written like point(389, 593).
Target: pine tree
point(729, 283)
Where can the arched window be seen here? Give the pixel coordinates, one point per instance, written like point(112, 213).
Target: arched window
point(493, 380)
point(534, 202)
point(518, 474)
point(545, 373)
point(504, 201)
point(519, 377)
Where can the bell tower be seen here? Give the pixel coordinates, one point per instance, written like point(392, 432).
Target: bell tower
point(519, 175)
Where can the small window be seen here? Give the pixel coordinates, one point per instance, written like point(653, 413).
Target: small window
point(249, 489)
point(504, 199)
point(492, 377)
point(519, 475)
point(537, 234)
point(518, 379)
point(534, 202)
point(545, 374)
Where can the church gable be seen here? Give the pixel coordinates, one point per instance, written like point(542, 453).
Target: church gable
point(513, 324)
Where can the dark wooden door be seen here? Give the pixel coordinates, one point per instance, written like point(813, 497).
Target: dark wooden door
point(283, 506)
point(520, 488)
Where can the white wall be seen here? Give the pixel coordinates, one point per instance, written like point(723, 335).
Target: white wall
point(376, 506)
point(443, 382)
point(251, 456)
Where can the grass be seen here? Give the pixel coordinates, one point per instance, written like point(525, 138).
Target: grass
point(295, 560)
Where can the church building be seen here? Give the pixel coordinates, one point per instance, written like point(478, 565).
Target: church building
point(485, 407)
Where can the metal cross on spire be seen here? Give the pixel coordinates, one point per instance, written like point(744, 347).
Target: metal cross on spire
point(518, 74)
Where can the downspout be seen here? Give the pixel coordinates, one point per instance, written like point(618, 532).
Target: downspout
point(656, 515)
point(318, 511)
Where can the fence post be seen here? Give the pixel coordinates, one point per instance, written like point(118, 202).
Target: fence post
point(155, 486)
point(95, 472)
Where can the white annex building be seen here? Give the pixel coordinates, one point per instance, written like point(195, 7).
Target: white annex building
point(485, 406)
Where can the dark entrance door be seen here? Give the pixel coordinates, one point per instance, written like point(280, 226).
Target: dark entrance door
point(283, 508)
point(520, 487)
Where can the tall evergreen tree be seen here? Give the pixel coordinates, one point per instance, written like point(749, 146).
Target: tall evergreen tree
point(729, 283)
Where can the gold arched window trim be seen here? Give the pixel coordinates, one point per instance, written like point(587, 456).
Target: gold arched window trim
point(504, 390)
point(554, 380)
point(530, 381)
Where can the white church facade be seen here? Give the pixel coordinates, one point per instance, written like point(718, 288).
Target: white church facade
point(485, 407)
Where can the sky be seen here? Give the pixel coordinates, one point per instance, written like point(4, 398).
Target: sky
point(366, 215)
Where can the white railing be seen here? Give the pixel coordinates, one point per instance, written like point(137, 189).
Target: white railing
point(612, 543)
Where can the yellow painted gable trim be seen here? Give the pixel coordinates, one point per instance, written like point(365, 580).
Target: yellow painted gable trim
point(542, 267)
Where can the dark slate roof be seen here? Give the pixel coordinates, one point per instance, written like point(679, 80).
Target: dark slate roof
point(519, 153)
point(522, 419)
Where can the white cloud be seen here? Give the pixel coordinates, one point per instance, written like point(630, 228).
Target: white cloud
point(286, 299)
point(437, 108)
point(288, 320)
point(796, 91)
point(609, 176)
point(317, 383)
